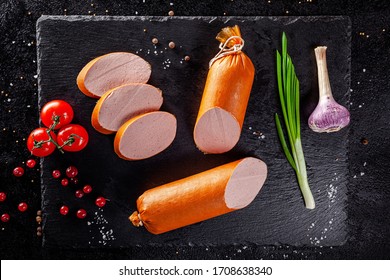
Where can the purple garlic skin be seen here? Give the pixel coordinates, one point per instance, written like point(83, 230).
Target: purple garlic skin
point(328, 116)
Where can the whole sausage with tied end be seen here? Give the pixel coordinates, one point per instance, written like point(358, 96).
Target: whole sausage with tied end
point(225, 97)
point(205, 195)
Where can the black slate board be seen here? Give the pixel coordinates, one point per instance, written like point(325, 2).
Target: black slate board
point(66, 44)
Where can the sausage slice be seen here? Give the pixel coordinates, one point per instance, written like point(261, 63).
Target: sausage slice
point(110, 71)
point(119, 105)
point(205, 195)
point(145, 135)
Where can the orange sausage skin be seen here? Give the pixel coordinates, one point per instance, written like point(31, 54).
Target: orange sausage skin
point(225, 97)
point(81, 76)
point(199, 197)
point(228, 86)
point(161, 208)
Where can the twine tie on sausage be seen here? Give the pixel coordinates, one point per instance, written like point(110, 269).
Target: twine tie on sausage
point(224, 50)
point(141, 224)
point(135, 218)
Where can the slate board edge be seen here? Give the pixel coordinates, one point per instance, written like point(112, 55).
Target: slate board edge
point(291, 19)
point(348, 128)
point(41, 160)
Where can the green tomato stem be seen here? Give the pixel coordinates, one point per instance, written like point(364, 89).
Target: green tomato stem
point(70, 140)
point(52, 140)
point(56, 120)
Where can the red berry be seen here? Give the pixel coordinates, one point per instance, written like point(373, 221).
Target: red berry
point(64, 182)
point(87, 189)
point(18, 171)
point(79, 194)
point(74, 180)
point(81, 213)
point(5, 218)
point(56, 174)
point(71, 172)
point(22, 206)
point(3, 196)
point(100, 201)
point(31, 163)
point(64, 210)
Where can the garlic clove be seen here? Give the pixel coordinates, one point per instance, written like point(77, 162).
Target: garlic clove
point(328, 116)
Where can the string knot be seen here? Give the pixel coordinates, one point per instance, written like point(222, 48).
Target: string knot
point(224, 50)
point(135, 218)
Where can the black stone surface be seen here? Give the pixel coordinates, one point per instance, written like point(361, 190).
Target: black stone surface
point(368, 193)
point(278, 215)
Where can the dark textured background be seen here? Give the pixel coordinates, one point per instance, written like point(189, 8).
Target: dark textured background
point(368, 191)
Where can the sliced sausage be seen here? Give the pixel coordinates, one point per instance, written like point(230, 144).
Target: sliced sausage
point(110, 71)
point(119, 105)
point(224, 101)
point(145, 135)
point(200, 197)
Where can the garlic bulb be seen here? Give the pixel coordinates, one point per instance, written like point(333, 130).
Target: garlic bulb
point(328, 116)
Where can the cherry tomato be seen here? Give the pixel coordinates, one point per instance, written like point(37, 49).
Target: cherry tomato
point(72, 138)
point(37, 145)
point(57, 109)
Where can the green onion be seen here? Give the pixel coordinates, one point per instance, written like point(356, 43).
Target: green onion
point(288, 87)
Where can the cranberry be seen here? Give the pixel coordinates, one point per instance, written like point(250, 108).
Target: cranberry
point(71, 172)
point(74, 180)
point(100, 201)
point(31, 163)
point(22, 206)
point(64, 182)
point(79, 194)
point(81, 213)
point(3, 196)
point(18, 171)
point(56, 174)
point(87, 189)
point(64, 210)
point(5, 218)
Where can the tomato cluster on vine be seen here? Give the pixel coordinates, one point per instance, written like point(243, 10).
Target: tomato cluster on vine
point(57, 115)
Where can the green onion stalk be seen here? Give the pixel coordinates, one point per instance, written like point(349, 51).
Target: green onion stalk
point(288, 87)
